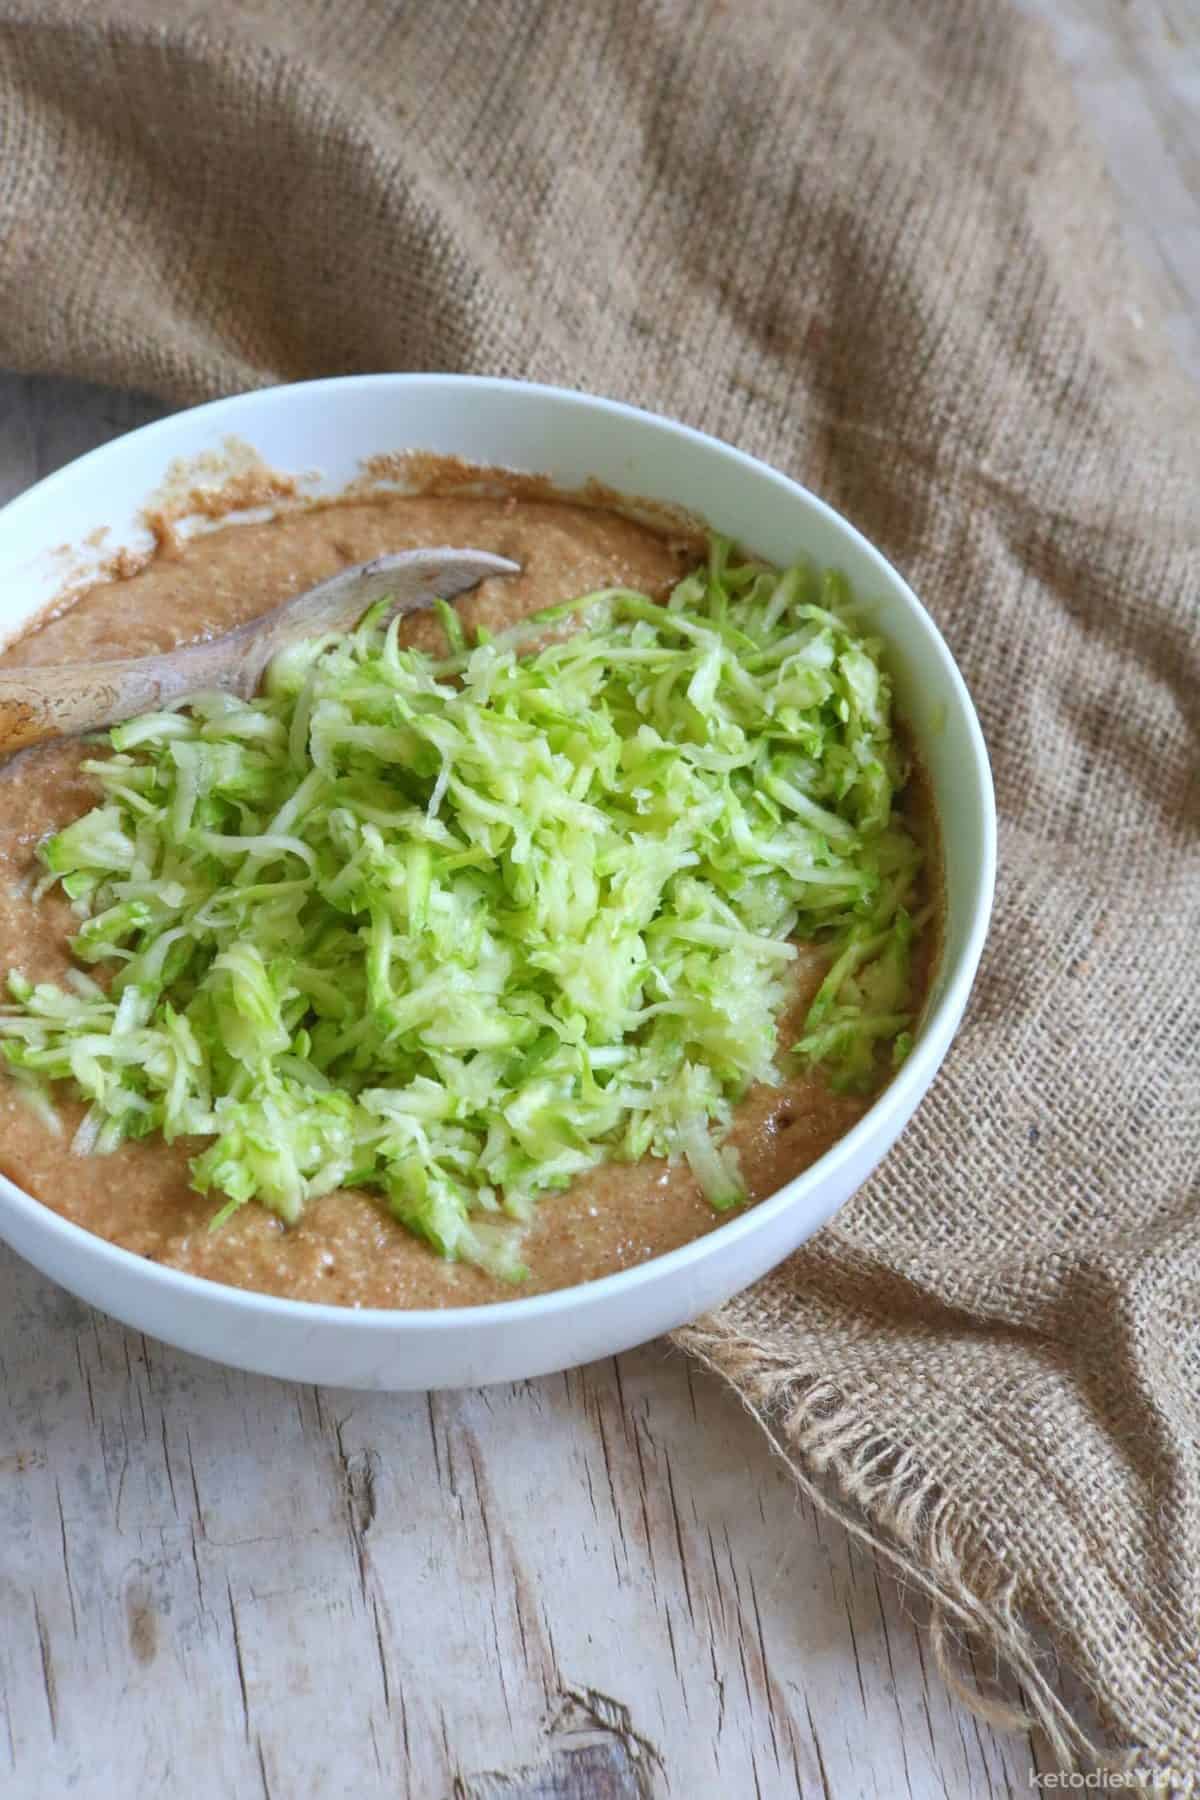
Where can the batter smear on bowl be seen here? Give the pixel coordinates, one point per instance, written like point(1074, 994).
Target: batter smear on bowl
point(481, 955)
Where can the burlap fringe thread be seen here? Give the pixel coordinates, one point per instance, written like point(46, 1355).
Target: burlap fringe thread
point(878, 1492)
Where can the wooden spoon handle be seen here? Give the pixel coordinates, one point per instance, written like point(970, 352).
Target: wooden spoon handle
point(46, 701)
point(40, 702)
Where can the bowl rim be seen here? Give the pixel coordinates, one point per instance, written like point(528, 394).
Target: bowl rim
point(909, 1082)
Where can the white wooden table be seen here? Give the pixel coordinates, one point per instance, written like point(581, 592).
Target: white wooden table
point(598, 1584)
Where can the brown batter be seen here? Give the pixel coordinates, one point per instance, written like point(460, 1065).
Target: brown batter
point(346, 1249)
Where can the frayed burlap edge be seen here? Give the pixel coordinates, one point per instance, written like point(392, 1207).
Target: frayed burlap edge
point(878, 1491)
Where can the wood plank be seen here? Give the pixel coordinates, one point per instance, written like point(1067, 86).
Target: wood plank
point(1136, 69)
point(306, 1591)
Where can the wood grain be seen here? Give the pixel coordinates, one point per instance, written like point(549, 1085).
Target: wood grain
point(597, 1585)
point(1136, 69)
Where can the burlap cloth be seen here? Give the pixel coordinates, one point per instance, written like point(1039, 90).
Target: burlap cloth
point(867, 240)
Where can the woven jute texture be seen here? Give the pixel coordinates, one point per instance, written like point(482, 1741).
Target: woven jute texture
point(868, 240)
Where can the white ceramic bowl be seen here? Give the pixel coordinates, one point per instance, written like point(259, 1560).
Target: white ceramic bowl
point(329, 427)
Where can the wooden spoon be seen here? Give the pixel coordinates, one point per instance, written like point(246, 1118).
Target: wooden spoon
point(38, 703)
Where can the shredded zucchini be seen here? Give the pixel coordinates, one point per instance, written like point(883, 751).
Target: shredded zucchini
point(458, 930)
